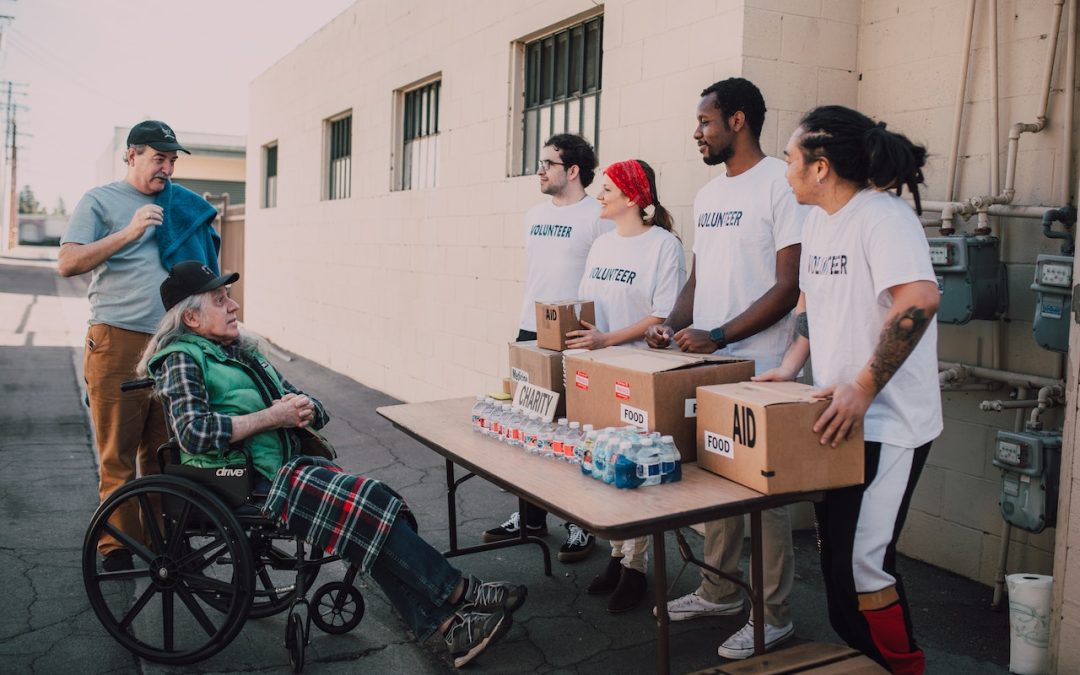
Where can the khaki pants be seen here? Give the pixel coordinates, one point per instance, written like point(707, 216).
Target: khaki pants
point(723, 549)
point(632, 552)
point(128, 426)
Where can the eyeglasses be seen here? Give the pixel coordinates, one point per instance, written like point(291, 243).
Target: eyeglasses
point(545, 165)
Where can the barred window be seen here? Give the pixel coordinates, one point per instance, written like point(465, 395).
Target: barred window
point(562, 87)
point(270, 153)
point(420, 129)
point(339, 153)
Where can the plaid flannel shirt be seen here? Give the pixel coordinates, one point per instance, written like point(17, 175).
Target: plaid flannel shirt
point(199, 429)
point(341, 513)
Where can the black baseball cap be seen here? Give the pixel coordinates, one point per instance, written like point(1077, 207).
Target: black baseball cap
point(157, 135)
point(189, 278)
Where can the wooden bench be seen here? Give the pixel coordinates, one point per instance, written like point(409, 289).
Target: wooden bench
point(820, 658)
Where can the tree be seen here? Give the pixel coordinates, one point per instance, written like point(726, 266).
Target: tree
point(27, 202)
point(61, 208)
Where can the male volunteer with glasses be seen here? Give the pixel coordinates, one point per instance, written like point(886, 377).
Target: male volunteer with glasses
point(558, 235)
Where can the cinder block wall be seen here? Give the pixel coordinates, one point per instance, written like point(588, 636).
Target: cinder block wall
point(416, 293)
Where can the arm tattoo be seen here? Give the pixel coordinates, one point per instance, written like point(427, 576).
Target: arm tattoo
point(898, 340)
point(802, 325)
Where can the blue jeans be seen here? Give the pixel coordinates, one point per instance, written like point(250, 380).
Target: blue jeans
point(416, 578)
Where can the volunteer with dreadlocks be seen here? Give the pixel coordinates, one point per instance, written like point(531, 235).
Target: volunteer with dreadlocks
point(866, 311)
point(633, 275)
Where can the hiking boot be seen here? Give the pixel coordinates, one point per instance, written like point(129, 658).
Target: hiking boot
point(579, 544)
point(741, 644)
point(117, 560)
point(606, 581)
point(489, 596)
point(629, 593)
point(511, 529)
point(470, 633)
point(692, 605)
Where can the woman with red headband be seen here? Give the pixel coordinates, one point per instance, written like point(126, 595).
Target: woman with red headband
point(633, 275)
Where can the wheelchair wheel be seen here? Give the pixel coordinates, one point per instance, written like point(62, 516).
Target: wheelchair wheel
point(338, 607)
point(275, 573)
point(190, 546)
point(295, 642)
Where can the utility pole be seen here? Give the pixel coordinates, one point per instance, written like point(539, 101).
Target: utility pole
point(12, 149)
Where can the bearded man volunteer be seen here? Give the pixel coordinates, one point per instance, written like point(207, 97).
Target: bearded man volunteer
point(746, 261)
point(558, 235)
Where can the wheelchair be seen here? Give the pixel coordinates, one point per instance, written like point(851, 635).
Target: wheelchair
point(208, 561)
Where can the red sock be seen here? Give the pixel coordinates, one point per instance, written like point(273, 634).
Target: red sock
point(891, 638)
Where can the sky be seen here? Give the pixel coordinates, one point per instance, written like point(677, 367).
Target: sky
point(87, 66)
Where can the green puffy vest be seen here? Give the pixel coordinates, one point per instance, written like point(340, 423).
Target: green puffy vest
point(234, 389)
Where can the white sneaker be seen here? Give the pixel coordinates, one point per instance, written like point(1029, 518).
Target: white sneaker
point(692, 605)
point(741, 644)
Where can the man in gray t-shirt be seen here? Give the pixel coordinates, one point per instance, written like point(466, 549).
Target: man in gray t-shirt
point(112, 235)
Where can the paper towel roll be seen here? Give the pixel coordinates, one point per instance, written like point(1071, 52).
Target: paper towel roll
point(1029, 623)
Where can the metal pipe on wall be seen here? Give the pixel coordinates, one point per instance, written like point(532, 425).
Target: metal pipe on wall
point(961, 96)
point(958, 372)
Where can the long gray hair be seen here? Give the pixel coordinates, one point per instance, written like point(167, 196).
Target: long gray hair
point(171, 327)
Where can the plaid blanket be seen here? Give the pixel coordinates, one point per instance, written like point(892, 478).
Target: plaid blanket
point(337, 511)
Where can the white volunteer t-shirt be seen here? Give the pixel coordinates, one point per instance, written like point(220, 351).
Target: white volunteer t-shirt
point(741, 222)
point(557, 241)
point(630, 278)
point(849, 261)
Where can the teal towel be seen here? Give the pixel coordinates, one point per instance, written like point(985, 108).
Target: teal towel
point(187, 229)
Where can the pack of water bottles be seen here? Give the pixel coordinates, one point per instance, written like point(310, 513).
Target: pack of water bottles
point(625, 457)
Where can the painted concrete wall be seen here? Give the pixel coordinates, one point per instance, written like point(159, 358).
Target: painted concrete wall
point(416, 292)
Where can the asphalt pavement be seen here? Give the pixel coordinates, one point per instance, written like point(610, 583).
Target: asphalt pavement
point(48, 492)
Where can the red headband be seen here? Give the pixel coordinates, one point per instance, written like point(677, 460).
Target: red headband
point(629, 177)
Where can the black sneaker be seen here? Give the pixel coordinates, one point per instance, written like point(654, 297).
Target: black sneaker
point(117, 560)
point(470, 633)
point(579, 544)
point(629, 593)
point(492, 595)
point(511, 529)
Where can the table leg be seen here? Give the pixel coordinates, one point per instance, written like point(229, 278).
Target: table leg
point(451, 504)
point(756, 583)
point(663, 661)
point(452, 484)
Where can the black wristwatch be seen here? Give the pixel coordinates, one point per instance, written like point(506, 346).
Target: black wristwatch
point(717, 336)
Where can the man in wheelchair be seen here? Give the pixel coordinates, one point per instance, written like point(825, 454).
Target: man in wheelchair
point(220, 393)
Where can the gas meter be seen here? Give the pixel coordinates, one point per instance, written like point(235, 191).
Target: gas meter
point(970, 277)
point(1053, 301)
point(1030, 462)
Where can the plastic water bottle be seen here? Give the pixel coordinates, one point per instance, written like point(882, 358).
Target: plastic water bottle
point(497, 420)
point(558, 438)
point(671, 460)
point(588, 449)
point(571, 442)
point(649, 463)
point(512, 427)
point(579, 450)
point(604, 440)
point(544, 439)
point(532, 427)
point(489, 413)
point(477, 412)
point(621, 454)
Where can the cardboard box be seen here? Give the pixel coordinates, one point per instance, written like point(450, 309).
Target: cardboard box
point(540, 367)
point(555, 319)
point(652, 389)
point(760, 434)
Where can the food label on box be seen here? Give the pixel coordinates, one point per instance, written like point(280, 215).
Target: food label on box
point(635, 416)
point(720, 445)
point(622, 390)
point(690, 408)
point(581, 380)
point(519, 375)
point(536, 399)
